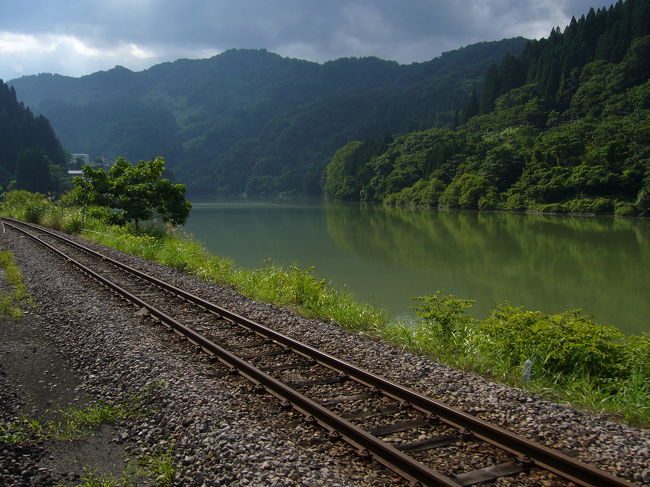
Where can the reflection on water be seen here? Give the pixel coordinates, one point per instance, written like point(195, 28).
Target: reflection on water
point(386, 256)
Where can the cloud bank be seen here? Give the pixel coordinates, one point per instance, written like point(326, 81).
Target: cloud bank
point(77, 37)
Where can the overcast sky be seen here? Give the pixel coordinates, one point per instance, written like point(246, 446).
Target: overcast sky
point(77, 37)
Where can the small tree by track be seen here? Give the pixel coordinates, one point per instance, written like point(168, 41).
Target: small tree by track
point(136, 193)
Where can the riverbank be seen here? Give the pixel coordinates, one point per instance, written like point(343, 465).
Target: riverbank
point(386, 256)
point(206, 414)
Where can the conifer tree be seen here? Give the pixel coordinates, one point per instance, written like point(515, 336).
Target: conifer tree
point(32, 171)
point(21, 130)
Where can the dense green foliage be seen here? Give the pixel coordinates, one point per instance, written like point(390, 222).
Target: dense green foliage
point(29, 149)
point(579, 360)
point(555, 63)
point(249, 121)
point(36, 208)
point(538, 145)
point(135, 193)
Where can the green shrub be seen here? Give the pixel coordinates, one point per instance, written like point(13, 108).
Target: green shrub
point(637, 354)
point(424, 193)
point(515, 202)
point(549, 208)
point(34, 213)
point(156, 230)
point(52, 216)
point(69, 199)
point(624, 208)
point(566, 344)
point(445, 313)
point(643, 199)
point(99, 213)
point(589, 205)
point(490, 201)
point(73, 225)
point(573, 358)
point(20, 199)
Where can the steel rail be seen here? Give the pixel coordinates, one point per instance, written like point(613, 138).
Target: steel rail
point(394, 459)
point(526, 450)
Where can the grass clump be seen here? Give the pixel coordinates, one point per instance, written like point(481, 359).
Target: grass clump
point(91, 478)
point(134, 474)
point(156, 469)
point(71, 423)
point(77, 423)
point(21, 431)
point(160, 465)
point(11, 303)
point(36, 208)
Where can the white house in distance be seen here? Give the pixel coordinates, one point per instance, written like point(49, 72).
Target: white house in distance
point(82, 159)
point(79, 159)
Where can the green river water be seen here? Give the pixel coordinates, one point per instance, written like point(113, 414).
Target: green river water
point(386, 256)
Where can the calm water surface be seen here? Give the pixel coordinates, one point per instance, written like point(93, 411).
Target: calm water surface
point(386, 256)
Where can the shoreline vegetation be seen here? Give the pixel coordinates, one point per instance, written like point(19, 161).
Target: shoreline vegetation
point(560, 127)
point(564, 357)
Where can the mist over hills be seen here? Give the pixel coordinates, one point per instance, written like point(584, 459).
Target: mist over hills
point(250, 121)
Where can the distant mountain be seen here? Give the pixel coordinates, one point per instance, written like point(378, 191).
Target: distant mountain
point(27, 145)
point(250, 121)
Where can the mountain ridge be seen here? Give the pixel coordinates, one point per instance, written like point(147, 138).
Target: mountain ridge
point(252, 121)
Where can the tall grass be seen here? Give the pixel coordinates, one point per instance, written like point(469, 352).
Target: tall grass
point(573, 359)
point(12, 302)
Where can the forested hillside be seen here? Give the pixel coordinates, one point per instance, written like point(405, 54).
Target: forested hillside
point(30, 154)
point(249, 121)
point(562, 127)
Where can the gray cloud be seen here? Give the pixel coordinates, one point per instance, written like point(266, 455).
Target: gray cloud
point(76, 37)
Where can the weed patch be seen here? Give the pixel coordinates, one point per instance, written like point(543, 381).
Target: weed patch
point(160, 465)
point(71, 423)
point(13, 302)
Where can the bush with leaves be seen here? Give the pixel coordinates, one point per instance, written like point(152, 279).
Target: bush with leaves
point(135, 193)
point(566, 344)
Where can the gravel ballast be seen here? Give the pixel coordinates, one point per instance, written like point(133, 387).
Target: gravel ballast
point(221, 431)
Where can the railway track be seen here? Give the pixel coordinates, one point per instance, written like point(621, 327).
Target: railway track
point(406, 431)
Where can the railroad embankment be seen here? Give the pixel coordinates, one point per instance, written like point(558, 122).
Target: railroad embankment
point(214, 430)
